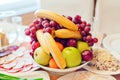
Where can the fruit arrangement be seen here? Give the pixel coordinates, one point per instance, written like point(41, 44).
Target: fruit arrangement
point(60, 41)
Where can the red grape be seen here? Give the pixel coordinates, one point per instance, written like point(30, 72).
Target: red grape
point(95, 40)
point(33, 35)
point(88, 24)
point(84, 38)
point(83, 33)
point(90, 43)
point(87, 29)
point(31, 25)
point(32, 54)
point(57, 39)
point(48, 29)
point(69, 17)
point(77, 17)
point(78, 25)
point(39, 27)
point(40, 21)
point(72, 42)
point(45, 21)
point(84, 22)
point(33, 40)
point(82, 26)
point(46, 24)
point(57, 27)
point(53, 23)
point(89, 34)
point(88, 38)
point(33, 29)
point(35, 45)
point(27, 31)
point(63, 41)
point(87, 55)
point(36, 22)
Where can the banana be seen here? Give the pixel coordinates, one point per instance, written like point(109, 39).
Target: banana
point(55, 51)
point(66, 33)
point(56, 17)
point(40, 37)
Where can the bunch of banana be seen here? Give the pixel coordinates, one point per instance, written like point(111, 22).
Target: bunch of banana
point(40, 37)
point(49, 45)
point(55, 51)
point(66, 33)
point(56, 17)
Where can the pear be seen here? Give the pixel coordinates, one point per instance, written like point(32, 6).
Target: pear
point(82, 46)
point(41, 57)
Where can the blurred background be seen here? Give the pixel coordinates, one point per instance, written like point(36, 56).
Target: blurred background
point(102, 14)
point(26, 8)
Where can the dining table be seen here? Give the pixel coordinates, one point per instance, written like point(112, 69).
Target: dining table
point(54, 76)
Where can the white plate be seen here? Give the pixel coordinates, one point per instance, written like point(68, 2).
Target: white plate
point(33, 74)
point(85, 75)
point(112, 43)
point(94, 70)
point(91, 69)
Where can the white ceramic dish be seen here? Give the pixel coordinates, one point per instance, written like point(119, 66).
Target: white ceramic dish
point(33, 74)
point(63, 71)
point(85, 75)
point(91, 69)
point(112, 43)
point(95, 70)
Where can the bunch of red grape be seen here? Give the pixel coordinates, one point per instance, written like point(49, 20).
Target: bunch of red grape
point(48, 25)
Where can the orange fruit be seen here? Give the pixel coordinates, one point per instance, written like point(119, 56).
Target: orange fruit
point(60, 46)
point(52, 63)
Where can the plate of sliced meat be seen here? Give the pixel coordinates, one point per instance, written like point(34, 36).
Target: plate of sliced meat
point(17, 60)
point(85, 75)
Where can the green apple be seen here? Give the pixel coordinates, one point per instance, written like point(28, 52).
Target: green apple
point(41, 57)
point(72, 56)
point(82, 46)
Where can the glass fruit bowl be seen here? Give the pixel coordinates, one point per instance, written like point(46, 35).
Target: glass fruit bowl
point(62, 42)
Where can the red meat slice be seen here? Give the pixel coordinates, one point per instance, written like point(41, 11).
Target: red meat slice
point(9, 58)
point(26, 44)
point(10, 65)
point(27, 68)
point(2, 60)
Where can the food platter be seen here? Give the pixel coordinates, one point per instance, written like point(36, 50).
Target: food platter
point(112, 42)
point(34, 74)
point(103, 64)
point(91, 69)
point(85, 75)
point(18, 60)
point(29, 75)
